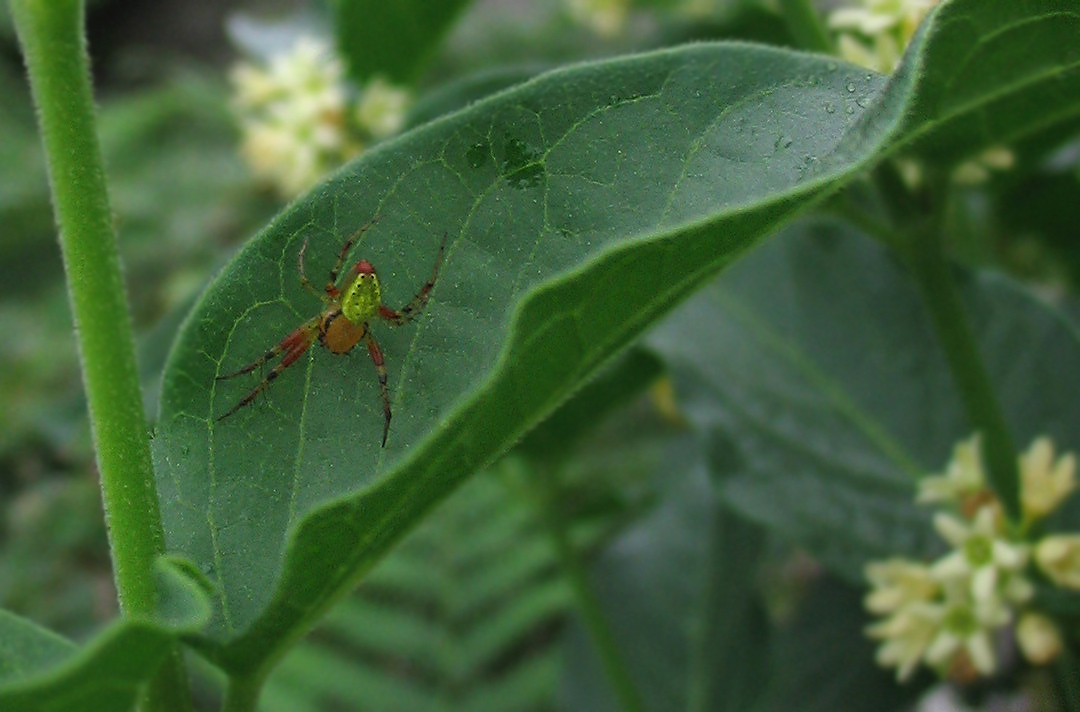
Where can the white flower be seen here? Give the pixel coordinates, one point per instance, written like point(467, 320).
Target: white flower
point(980, 553)
point(962, 478)
point(967, 629)
point(1058, 556)
point(896, 583)
point(381, 109)
point(1044, 481)
point(605, 17)
point(875, 33)
point(949, 614)
point(877, 16)
point(292, 116)
point(977, 170)
point(906, 635)
point(1039, 638)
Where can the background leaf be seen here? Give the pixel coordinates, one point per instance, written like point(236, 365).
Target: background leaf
point(391, 38)
point(683, 592)
point(580, 207)
point(42, 672)
point(1020, 76)
point(677, 591)
point(460, 616)
point(820, 377)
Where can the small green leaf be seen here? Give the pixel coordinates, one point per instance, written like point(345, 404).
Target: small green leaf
point(391, 38)
point(823, 391)
point(580, 207)
point(42, 672)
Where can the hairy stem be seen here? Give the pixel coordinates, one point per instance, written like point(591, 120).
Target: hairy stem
point(53, 43)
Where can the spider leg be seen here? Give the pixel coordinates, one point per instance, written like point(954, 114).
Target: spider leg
point(380, 368)
point(412, 310)
point(294, 345)
point(303, 277)
point(330, 288)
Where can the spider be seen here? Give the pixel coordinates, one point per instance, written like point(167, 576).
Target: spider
point(344, 322)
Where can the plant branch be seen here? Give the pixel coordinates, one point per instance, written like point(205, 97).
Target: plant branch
point(242, 693)
point(936, 280)
point(588, 605)
point(52, 39)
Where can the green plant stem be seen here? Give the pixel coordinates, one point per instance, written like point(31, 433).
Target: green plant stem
point(52, 39)
point(806, 27)
point(588, 605)
point(242, 693)
point(935, 277)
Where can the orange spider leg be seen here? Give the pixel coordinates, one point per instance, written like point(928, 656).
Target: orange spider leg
point(380, 368)
point(303, 277)
point(331, 287)
point(294, 345)
point(412, 310)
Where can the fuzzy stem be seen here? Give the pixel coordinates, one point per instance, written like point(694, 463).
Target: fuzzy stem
point(54, 48)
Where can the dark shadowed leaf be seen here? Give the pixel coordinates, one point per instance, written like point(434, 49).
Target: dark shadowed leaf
point(821, 373)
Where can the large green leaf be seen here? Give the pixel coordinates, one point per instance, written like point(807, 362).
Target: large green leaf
point(580, 207)
point(42, 672)
point(821, 377)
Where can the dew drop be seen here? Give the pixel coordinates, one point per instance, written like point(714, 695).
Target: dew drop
point(851, 87)
point(830, 109)
point(477, 155)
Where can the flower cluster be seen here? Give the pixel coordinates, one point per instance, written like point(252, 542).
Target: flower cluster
point(950, 614)
point(875, 34)
point(605, 17)
point(298, 119)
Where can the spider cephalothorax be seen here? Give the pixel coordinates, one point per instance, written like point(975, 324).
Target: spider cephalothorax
point(344, 322)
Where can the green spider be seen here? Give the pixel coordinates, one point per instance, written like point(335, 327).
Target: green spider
point(344, 322)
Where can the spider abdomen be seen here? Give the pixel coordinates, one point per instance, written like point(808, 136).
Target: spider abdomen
point(339, 335)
